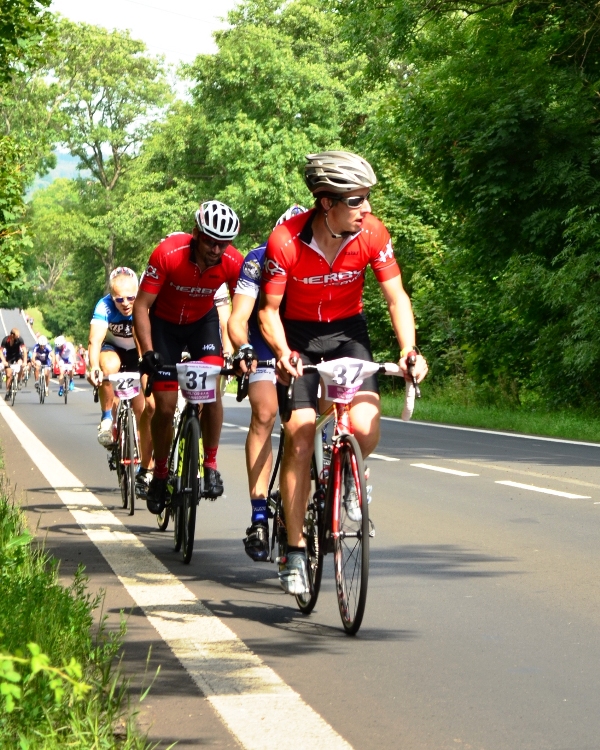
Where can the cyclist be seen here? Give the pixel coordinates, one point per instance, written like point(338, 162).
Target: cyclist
point(43, 356)
point(64, 354)
point(15, 354)
point(319, 260)
point(175, 310)
point(245, 335)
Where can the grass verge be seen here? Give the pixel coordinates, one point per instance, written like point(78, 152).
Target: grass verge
point(437, 407)
point(58, 684)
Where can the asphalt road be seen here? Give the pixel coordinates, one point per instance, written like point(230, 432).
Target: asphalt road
point(480, 628)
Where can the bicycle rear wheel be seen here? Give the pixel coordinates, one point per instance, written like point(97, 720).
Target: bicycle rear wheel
point(42, 387)
point(314, 552)
point(130, 428)
point(67, 383)
point(190, 490)
point(351, 537)
point(121, 452)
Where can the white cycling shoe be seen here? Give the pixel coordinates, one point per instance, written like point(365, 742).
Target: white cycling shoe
point(105, 436)
point(293, 575)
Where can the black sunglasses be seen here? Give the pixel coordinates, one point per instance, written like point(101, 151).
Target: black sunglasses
point(355, 201)
point(120, 300)
point(210, 242)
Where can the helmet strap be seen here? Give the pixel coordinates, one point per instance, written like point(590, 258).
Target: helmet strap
point(333, 234)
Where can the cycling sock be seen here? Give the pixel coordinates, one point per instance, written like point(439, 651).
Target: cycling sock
point(161, 470)
point(107, 414)
point(259, 510)
point(210, 457)
point(290, 548)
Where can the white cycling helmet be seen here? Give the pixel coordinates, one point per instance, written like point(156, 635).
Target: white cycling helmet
point(42, 341)
point(123, 271)
point(60, 341)
point(217, 221)
point(292, 211)
point(337, 172)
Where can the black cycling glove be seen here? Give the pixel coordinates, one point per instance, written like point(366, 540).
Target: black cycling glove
point(150, 362)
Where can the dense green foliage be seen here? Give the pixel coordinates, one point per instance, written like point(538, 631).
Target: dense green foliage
point(57, 684)
point(480, 118)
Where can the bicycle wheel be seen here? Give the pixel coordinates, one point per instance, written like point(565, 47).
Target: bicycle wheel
point(13, 390)
point(130, 428)
point(67, 383)
point(121, 452)
point(351, 537)
point(190, 488)
point(314, 553)
point(42, 387)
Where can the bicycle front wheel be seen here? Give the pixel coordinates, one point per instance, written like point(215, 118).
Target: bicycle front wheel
point(129, 467)
point(350, 526)
point(190, 491)
point(13, 390)
point(42, 387)
point(67, 383)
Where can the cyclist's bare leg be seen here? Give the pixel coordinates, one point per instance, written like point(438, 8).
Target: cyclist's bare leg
point(162, 423)
point(144, 423)
point(110, 364)
point(211, 421)
point(9, 377)
point(365, 415)
point(295, 471)
point(259, 455)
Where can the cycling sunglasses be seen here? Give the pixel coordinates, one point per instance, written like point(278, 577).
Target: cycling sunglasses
point(120, 300)
point(355, 201)
point(210, 242)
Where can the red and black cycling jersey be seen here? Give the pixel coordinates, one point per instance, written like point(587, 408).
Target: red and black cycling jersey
point(185, 293)
point(314, 289)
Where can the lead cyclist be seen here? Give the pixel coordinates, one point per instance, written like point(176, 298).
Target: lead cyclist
point(318, 260)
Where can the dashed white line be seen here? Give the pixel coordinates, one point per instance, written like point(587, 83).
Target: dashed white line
point(544, 490)
point(244, 691)
point(382, 458)
point(443, 470)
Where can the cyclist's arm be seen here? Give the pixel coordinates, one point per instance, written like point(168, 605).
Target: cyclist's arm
point(224, 311)
point(272, 330)
point(237, 326)
point(403, 321)
point(141, 319)
point(98, 331)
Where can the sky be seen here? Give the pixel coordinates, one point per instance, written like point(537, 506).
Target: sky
point(177, 29)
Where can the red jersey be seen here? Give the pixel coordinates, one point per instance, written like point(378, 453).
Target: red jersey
point(315, 290)
point(185, 293)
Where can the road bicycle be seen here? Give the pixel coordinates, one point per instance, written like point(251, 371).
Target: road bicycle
point(337, 515)
point(41, 383)
point(198, 384)
point(14, 384)
point(67, 377)
point(125, 454)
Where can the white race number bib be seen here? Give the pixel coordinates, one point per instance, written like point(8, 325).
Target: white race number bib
point(343, 377)
point(125, 384)
point(198, 381)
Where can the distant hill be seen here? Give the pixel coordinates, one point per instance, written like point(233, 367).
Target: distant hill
point(66, 166)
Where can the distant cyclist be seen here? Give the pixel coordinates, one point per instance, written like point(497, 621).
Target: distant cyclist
point(175, 311)
point(43, 356)
point(318, 260)
point(245, 335)
point(64, 353)
point(15, 354)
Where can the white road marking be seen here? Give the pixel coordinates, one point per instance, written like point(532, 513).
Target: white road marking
point(252, 700)
point(491, 432)
point(444, 470)
point(382, 458)
point(533, 488)
point(512, 470)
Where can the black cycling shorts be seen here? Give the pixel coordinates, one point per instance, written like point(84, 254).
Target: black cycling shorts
point(202, 339)
point(129, 357)
point(316, 342)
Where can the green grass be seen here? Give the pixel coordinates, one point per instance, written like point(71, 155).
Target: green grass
point(38, 322)
point(64, 691)
point(458, 409)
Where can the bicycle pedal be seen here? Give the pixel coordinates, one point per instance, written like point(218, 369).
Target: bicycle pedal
point(371, 529)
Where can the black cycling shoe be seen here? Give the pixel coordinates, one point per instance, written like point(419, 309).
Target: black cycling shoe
point(256, 543)
point(157, 495)
point(213, 484)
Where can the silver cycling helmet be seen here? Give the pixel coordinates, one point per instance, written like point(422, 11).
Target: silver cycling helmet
point(337, 172)
point(292, 211)
point(218, 221)
point(122, 271)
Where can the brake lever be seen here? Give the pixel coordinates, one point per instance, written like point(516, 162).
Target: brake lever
point(411, 361)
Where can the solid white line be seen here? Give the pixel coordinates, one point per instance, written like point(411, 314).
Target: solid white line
point(533, 488)
point(492, 432)
point(252, 700)
point(382, 458)
point(444, 470)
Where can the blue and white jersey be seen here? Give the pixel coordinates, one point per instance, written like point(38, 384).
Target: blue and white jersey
point(42, 354)
point(66, 352)
point(249, 284)
point(119, 327)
